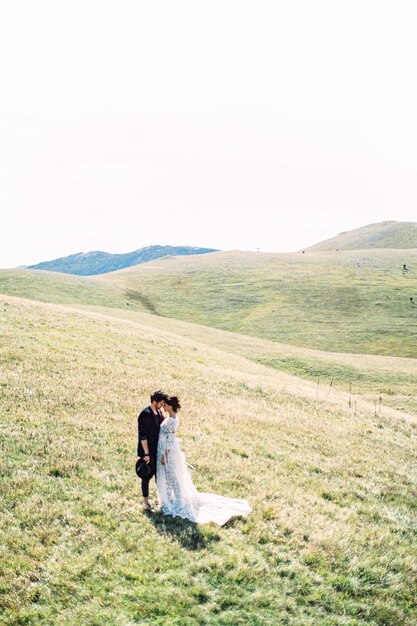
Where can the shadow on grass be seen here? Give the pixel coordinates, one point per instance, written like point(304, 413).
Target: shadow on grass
point(188, 534)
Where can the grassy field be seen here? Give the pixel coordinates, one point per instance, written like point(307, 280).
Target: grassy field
point(64, 289)
point(206, 289)
point(356, 301)
point(331, 540)
point(381, 380)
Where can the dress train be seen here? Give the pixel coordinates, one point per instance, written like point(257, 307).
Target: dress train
point(177, 494)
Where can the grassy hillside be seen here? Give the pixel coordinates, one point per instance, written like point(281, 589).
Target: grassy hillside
point(380, 235)
point(381, 380)
point(334, 301)
point(64, 289)
point(391, 381)
point(343, 302)
point(331, 540)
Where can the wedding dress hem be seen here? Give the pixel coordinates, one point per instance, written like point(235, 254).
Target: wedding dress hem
point(177, 494)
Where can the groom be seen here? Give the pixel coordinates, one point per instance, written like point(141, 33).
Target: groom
point(149, 423)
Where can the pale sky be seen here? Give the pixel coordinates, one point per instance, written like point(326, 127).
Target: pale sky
point(234, 124)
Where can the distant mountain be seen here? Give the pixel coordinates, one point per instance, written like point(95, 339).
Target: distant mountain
point(381, 235)
point(91, 263)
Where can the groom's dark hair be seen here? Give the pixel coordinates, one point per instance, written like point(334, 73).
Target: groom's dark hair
point(158, 396)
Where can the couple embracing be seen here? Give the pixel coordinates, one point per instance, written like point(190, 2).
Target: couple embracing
point(160, 455)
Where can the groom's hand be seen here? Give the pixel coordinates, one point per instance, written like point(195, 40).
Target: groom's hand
point(146, 458)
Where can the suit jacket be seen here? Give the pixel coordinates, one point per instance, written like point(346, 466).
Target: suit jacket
point(149, 425)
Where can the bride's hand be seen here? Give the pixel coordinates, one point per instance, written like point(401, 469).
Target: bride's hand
point(163, 460)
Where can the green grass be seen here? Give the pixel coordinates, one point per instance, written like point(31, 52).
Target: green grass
point(381, 380)
point(355, 301)
point(392, 383)
point(352, 301)
point(64, 289)
point(381, 235)
point(393, 388)
point(331, 540)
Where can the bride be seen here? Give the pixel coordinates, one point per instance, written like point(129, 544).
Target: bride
point(176, 492)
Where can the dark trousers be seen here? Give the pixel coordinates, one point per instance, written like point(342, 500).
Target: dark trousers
point(145, 481)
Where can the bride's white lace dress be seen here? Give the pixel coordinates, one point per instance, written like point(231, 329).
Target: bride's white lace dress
point(176, 492)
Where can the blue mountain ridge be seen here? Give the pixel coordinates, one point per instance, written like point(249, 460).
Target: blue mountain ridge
point(97, 262)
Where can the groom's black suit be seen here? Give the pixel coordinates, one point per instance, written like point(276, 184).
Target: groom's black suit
point(149, 425)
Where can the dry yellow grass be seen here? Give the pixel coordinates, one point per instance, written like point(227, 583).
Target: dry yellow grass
point(332, 486)
point(381, 380)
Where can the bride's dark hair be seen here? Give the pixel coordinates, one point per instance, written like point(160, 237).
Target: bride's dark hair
point(174, 402)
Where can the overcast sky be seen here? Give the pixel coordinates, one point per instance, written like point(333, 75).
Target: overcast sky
point(235, 124)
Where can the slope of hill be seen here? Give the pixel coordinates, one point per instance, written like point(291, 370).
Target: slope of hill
point(375, 378)
point(381, 235)
point(357, 301)
point(92, 263)
point(380, 380)
point(64, 289)
point(339, 301)
point(330, 539)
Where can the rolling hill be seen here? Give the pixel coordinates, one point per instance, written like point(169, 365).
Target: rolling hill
point(92, 263)
point(352, 301)
point(62, 288)
point(330, 539)
point(380, 380)
point(387, 380)
point(399, 235)
point(277, 408)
